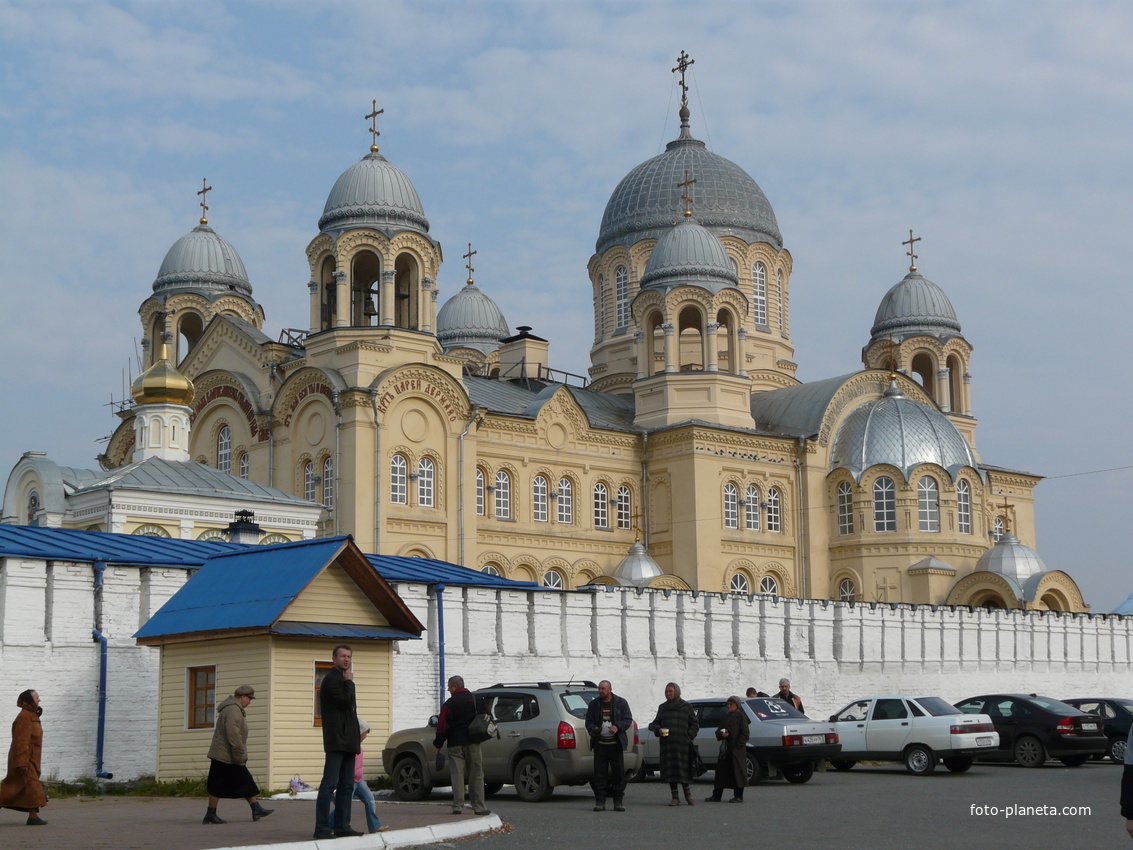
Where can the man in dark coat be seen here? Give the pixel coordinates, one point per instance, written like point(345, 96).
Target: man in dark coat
point(608, 720)
point(464, 758)
point(787, 695)
point(338, 708)
point(1127, 791)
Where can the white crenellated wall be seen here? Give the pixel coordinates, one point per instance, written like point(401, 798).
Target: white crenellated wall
point(715, 645)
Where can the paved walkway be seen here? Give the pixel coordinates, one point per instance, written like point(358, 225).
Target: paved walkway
point(163, 823)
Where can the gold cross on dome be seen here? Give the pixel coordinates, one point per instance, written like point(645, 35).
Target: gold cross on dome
point(374, 131)
point(205, 189)
point(687, 196)
point(911, 242)
point(683, 62)
point(468, 265)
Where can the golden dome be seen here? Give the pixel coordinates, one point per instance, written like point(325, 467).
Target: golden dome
point(161, 383)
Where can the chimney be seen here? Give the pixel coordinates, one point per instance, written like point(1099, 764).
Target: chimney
point(244, 528)
point(523, 355)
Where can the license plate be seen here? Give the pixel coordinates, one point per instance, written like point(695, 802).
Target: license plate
point(983, 742)
point(814, 739)
point(1090, 727)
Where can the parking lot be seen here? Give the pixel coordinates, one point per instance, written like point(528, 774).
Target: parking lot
point(876, 806)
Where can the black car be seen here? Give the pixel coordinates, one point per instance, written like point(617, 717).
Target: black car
point(1033, 728)
point(1117, 717)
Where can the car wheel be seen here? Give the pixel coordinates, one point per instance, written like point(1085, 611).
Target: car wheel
point(491, 788)
point(798, 773)
point(1073, 761)
point(958, 764)
point(920, 760)
point(639, 774)
point(842, 764)
point(752, 769)
point(1116, 751)
point(409, 782)
point(532, 783)
point(1029, 752)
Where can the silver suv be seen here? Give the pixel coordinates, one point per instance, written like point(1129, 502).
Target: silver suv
point(542, 743)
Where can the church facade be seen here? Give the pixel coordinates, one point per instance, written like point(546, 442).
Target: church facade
point(690, 457)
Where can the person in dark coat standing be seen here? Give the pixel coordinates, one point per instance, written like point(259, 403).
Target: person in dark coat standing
point(731, 766)
point(228, 757)
point(1127, 791)
point(21, 789)
point(787, 695)
point(342, 741)
point(464, 758)
point(676, 726)
point(608, 720)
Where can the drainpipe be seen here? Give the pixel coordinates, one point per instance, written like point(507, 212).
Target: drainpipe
point(802, 514)
point(337, 458)
point(440, 589)
point(377, 473)
point(644, 471)
point(99, 568)
point(477, 414)
point(271, 434)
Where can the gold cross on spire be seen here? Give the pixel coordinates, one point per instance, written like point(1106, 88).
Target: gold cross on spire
point(1006, 513)
point(205, 189)
point(374, 131)
point(687, 196)
point(911, 242)
point(468, 265)
point(682, 65)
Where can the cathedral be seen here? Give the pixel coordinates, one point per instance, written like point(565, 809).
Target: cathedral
point(690, 456)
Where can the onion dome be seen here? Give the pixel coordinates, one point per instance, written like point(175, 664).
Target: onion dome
point(689, 254)
point(373, 193)
point(1011, 559)
point(471, 319)
point(726, 199)
point(161, 383)
point(202, 261)
point(913, 307)
point(637, 569)
point(898, 431)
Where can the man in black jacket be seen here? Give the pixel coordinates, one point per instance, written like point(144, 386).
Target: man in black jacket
point(338, 708)
point(464, 757)
point(608, 720)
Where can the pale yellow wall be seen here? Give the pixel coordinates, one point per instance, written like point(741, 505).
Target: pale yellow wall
point(333, 597)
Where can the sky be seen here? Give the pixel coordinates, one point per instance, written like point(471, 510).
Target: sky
point(998, 132)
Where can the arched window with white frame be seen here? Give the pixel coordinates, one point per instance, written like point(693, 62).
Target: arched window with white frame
point(963, 507)
point(884, 505)
point(601, 506)
point(490, 570)
point(928, 504)
point(625, 508)
point(565, 501)
point(845, 508)
point(539, 491)
point(768, 584)
point(479, 492)
point(426, 480)
point(751, 508)
point(398, 478)
point(503, 495)
point(224, 449)
point(739, 584)
point(780, 300)
point(245, 465)
point(553, 579)
point(731, 506)
point(998, 529)
point(759, 294)
point(310, 482)
point(328, 484)
point(847, 590)
point(621, 296)
point(774, 514)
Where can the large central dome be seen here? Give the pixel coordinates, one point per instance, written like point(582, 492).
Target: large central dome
point(202, 261)
point(724, 198)
point(374, 193)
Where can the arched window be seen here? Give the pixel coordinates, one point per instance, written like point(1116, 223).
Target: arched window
point(245, 465)
point(767, 584)
point(781, 301)
point(565, 501)
point(273, 539)
point(224, 449)
point(33, 508)
point(751, 508)
point(884, 505)
point(151, 531)
point(539, 491)
point(739, 584)
point(600, 312)
point(328, 484)
point(963, 507)
point(310, 481)
point(425, 468)
point(731, 506)
point(479, 492)
point(774, 521)
point(601, 506)
point(554, 579)
point(625, 511)
point(928, 504)
point(759, 294)
point(398, 491)
point(845, 508)
point(998, 529)
point(847, 590)
point(503, 495)
point(621, 296)
point(490, 570)
point(213, 534)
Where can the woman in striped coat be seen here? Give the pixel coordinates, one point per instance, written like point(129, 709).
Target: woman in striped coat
point(676, 726)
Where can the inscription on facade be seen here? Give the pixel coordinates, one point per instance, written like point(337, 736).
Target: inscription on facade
point(417, 385)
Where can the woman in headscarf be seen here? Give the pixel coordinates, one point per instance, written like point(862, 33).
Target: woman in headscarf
point(229, 776)
point(676, 726)
point(731, 766)
point(21, 789)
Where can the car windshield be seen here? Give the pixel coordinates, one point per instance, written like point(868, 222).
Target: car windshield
point(576, 702)
point(772, 709)
point(1054, 706)
point(1127, 704)
point(936, 706)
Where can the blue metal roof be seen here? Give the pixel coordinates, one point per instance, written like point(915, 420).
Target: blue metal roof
point(66, 544)
point(340, 630)
point(395, 568)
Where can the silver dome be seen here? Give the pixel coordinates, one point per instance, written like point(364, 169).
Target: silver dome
point(201, 261)
point(373, 193)
point(915, 306)
point(471, 319)
point(1011, 559)
point(724, 197)
point(689, 254)
point(637, 569)
point(903, 433)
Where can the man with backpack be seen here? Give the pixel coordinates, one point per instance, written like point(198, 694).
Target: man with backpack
point(608, 720)
point(464, 759)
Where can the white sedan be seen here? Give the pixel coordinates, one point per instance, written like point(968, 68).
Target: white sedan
point(917, 730)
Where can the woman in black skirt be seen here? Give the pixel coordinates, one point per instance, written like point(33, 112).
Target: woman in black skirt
point(228, 772)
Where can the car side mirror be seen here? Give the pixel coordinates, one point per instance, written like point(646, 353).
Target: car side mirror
point(833, 718)
point(434, 720)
